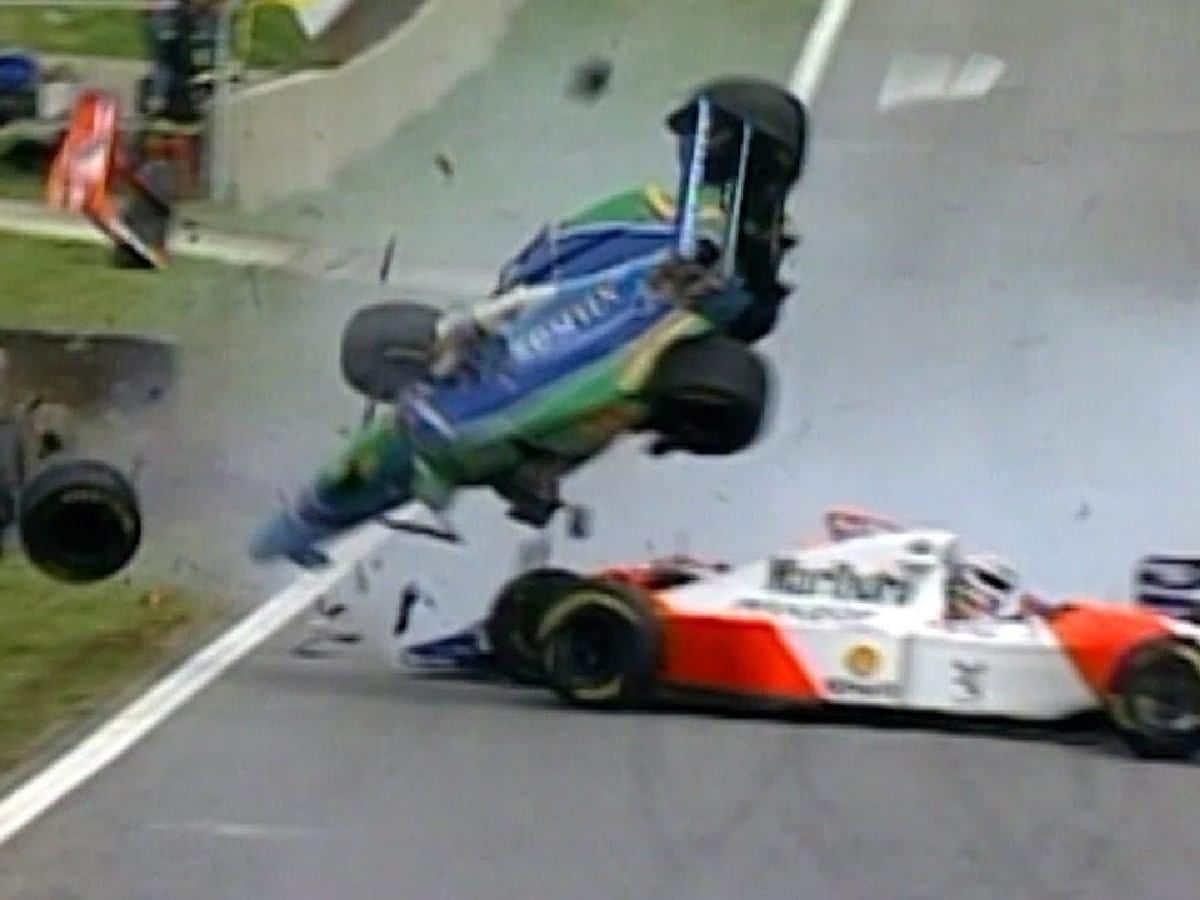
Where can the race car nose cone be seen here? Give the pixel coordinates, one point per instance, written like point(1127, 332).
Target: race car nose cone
point(289, 537)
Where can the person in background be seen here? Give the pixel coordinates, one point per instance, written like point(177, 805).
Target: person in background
point(182, 38)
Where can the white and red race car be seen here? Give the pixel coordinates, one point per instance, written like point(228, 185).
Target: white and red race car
point(864, 616)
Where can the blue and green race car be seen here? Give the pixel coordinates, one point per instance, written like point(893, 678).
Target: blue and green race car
point(637, 315)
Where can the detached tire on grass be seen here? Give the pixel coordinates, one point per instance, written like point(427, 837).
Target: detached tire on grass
point(1156, 700)
point(709, 396)
point(511, 625)
point(387, 346)
point(599, 645)
point(80, 521)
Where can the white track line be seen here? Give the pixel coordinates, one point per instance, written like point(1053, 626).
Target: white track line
point(822, 38)
point(133, 723)
point(130, 725)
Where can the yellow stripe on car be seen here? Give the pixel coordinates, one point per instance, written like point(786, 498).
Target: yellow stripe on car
point(650, 347)
point(662, 205)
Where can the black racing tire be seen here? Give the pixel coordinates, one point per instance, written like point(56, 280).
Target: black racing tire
point(599, 645)
point(1155, 703)
point(511, 625)
point(755, 323)
point(709, 396)
point(80, 521)
point(149, 217)
point(387, 346)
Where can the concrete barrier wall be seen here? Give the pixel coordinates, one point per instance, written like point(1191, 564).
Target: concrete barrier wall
point(295, 133)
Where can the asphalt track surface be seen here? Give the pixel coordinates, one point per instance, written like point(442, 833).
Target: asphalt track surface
point(990, 330)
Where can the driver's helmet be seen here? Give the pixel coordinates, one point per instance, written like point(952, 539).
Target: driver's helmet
point(982, 586)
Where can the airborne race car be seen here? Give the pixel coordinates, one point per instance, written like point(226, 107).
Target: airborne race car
point(865, 617)
point(632, 318)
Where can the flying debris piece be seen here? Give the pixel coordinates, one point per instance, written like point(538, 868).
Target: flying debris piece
point(389, 254)
point(445, 164)
point(589, 80)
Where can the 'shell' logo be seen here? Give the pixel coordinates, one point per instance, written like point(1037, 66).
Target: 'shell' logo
point(862, 660)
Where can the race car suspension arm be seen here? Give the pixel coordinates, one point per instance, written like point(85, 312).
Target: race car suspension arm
point(442, 531)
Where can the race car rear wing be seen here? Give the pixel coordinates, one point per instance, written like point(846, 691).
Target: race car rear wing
point(1169, 584)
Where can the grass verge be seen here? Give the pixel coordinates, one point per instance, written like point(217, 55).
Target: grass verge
point(65, 652)
point(68, 284)
point(18, 181)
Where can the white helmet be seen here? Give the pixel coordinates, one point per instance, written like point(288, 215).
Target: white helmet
point(984, 585)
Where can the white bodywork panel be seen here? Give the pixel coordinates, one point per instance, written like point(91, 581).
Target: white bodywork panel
point(867, 616)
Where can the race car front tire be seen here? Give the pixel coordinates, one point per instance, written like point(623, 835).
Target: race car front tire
point(511, 625)
point(80, 521)
point(599, 645)
point(709, 396)
point(1155, 703)
point(387, 346)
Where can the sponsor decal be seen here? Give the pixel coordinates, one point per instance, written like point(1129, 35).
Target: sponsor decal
point(806, 612)
point(862, 660)
point(844, 687)
point(967, 680)
point(422, 412)
point(540, 338)
point(788, 576)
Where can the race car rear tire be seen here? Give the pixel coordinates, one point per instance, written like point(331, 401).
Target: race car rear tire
point(511, 625)
point(1156, 700)
point(709, 396)
point(387, 346)
point(80, 521)
point(599, 645)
